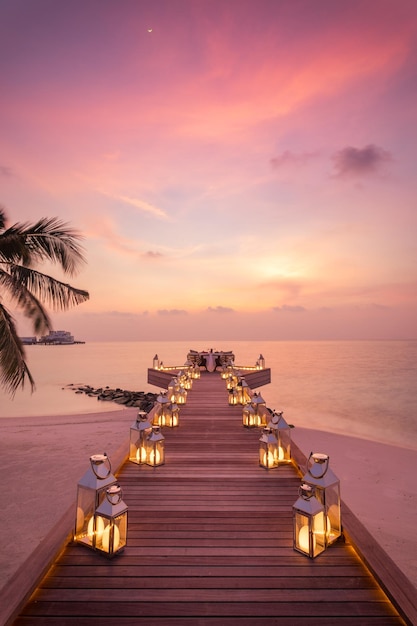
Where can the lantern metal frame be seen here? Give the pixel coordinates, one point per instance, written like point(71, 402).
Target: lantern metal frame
point(233, 397)
point(309, 526)
point(268, 449)
point(172, 415)
point(282, 431)
point(262, 413)
point(139, 432)
point(326, 485)
point(155, 447)
point(110, 523)
point(91, 491)
point(249, 417)
point(159, 415)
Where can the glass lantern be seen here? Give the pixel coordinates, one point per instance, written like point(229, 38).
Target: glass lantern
point(249, 417)
point(262, 413)
point(155, 363)
point(261, 362)
point(159, 416)
point(309, 525)
point(181, 396)
point(268, 449)
point(155, 447)
point(173, 387)
point(172, 415)
point(243, 391)
point(139, 431)
point(327, 491)
point(233, 397)
point(91, 492)
point(282, 432)
point(110, 523)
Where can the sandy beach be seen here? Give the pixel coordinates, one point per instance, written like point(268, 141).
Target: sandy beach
point(43, 459)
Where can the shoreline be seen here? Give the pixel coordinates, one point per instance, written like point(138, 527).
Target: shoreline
point(43, 462)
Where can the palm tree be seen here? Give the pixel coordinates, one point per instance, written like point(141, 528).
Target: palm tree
point(22, 248)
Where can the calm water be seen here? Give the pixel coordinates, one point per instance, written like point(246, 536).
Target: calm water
point(364, 388)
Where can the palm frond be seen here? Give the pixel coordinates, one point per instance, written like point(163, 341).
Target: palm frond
point(2, 218)
point(30, 305)
point(13, 368)
point(53, 240)
point(58, 295)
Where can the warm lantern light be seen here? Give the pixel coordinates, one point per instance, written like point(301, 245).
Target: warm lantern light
point(155, 363)
point(139, 431)
point(160, 413)
point(90, 493)
point(172, 415)
point(110, 523)
point(260, 364)
point(233, 397)
point(173, 387)
point(155, 447)
point(243, 389)
point(327, 490)
point(268, 449)
point(181, 396)
point(249, 417)
point(262, 413)
point(308, 520)
point(282, 432)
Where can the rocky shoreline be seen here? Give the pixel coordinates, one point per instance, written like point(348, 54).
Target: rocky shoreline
point(143, 401)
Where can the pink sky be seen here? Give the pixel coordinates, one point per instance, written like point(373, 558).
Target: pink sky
point(247, 169)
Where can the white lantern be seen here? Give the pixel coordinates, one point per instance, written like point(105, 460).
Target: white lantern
point(243, 391)
point(155, 447)
point(139, 431)
point(233, 397)
point(249, 417)
point(172, 415)
point(309, 532)
point(262, 413)
point(155, 363)
point(110, 523)
point(90, 493)
point(181, 396)
point(268, 449)
point(327, 490)
point(261, 362)
point(282, 432)
point(159, 416)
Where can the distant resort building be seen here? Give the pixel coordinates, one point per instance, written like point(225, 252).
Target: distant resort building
point(55, 337)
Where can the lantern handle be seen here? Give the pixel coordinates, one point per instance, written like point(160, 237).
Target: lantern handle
point(325, 463)
point(109, 466)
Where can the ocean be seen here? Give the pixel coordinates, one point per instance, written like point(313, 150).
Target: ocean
point(366, 389)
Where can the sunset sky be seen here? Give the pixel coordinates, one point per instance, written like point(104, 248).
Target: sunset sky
point(240, 169)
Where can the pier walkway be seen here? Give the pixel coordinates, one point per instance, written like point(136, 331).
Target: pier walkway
point(209, 543)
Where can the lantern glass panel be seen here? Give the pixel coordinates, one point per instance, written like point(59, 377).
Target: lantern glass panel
point(309, 533)
point(91, 491)
point(139, 431)
point(155, 448)
point(327, 491)
point(110, 523)
point(111, 537)
point(249, 417)
point(268, 450)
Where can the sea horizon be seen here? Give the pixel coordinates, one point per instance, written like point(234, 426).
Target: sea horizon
point(362, 388)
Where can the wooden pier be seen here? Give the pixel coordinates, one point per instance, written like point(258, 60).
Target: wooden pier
point(210, 543)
